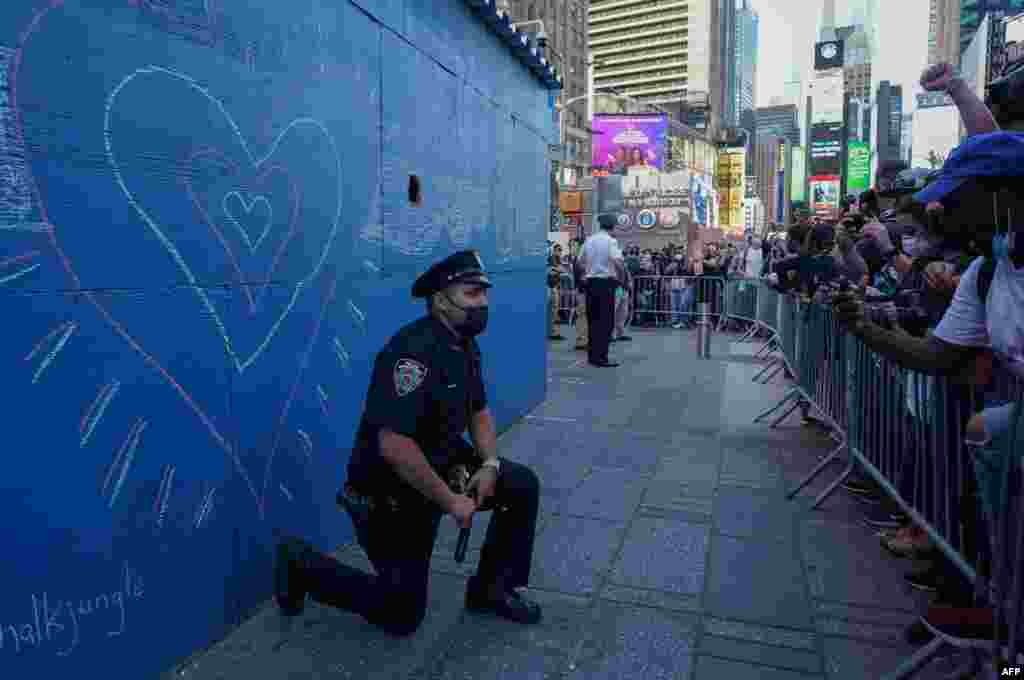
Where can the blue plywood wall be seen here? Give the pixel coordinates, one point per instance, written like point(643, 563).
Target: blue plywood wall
point(204, 238)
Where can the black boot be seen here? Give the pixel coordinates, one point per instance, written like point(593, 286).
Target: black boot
point(497, 599)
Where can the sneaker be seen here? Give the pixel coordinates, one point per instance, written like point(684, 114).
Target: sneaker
point(677, 326)
point(912, 544)
point(881, 517)
point(625, 338)
point(862, 487)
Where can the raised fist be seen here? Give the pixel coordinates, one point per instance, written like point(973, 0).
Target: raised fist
point(937, 77)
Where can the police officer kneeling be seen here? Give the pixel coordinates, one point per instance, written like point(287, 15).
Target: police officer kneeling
point(426, 390)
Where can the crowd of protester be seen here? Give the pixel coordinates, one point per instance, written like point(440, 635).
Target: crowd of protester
point(927, 268)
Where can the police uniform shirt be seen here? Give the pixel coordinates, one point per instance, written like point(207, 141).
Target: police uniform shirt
point(426, 384)
point(599, 251)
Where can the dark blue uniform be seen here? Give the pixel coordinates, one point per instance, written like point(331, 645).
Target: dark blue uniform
point(426, 385)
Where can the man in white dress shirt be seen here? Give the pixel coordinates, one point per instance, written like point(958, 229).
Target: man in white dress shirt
point(604, 268)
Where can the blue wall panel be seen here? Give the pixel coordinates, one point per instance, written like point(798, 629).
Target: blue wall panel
point(204, 239)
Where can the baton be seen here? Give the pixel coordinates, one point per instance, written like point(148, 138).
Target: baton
point(463, 542)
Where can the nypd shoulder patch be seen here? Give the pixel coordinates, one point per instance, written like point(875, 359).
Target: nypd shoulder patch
point(409, 375)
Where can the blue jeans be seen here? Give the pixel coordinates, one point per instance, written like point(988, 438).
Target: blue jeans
point(682, 304)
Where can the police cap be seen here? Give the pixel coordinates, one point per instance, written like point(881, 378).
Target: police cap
point(464, 266)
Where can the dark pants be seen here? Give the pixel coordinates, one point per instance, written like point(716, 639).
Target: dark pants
point(601, 317)
point(400, 544)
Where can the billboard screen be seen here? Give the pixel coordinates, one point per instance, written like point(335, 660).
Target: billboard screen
point(799, 178)
point(732, 165)
point(624, 142)
point(824, 197)
point(828, 55)
point(826, 149)
point(827, 98)
point(858, 167)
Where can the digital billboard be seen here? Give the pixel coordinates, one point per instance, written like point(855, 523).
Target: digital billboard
point(827, 98)
point(824, 196)
point(826, 149)
point(799, 178)
point(828, 55)
point(624, 142)
point(936, 133)
point(858, 167)
point(731, 184)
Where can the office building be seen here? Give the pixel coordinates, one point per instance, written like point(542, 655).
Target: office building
point(565, 23)
point(662, 53)
point(973, 11)
point(753, 215)
point(856, 60)
point(944, 32)
point(779, 121)
point(747, 38)
point(907, 137)
point(727, 61)
point(864, 13)
point(889, 127)
point(768, 161)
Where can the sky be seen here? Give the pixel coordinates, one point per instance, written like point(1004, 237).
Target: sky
point(789, 29)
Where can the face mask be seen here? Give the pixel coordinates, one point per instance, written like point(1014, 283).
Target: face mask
point(475, 320)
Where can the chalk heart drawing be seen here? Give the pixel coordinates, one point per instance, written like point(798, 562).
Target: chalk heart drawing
point(258, 166)
point(235, 198)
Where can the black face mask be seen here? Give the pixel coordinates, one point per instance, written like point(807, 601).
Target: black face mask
point(475, 322)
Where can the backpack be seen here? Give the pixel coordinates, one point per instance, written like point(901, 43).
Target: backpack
point(985, 276)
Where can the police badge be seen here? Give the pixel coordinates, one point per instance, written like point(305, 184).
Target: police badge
point(409, 375)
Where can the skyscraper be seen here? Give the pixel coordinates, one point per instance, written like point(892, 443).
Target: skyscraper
point(973, 11)
point(661, 53)
point(747, 26)
point(727, 59)
point(944, 32)
point(565, 22)
point(889, 129)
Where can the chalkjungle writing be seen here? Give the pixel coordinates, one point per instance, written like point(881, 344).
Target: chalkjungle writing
point(61, 624)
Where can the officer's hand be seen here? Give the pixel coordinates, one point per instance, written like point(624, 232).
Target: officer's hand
point(482, 484)
point(462, 507)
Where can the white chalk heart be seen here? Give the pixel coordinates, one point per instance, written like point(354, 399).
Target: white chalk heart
point(241, 363)
point(247, 208)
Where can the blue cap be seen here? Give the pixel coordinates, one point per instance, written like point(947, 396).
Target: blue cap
point(994, 154)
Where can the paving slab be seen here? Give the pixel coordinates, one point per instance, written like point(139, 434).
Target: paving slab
point(665, 547)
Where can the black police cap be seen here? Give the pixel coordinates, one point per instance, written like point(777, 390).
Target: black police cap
point(464, 266)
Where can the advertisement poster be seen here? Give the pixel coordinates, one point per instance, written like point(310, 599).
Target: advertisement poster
point(624, 142)
point(827, 98)
point(826, 149)
point(824, 197)
point(731, 185)
point(798, 195)
point(858, 167)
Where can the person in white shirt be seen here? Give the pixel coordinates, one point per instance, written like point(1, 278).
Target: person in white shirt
point(604, 269)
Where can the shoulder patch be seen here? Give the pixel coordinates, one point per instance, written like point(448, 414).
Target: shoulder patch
point(409, 375)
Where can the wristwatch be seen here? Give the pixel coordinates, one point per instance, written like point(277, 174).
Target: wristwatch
point(492, 462)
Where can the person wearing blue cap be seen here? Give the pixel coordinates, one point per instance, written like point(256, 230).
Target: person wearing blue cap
point(976, 200)
point(425, 392)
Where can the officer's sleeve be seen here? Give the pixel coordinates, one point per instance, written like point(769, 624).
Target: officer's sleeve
point(399, 393)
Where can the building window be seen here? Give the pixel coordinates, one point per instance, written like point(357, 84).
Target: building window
point(531, 12)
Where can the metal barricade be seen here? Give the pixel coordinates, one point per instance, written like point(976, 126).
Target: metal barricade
point(907, 432)
point(660, 301)
point(567, 299)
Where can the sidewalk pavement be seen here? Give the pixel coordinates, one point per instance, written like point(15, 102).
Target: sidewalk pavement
point(666, 548)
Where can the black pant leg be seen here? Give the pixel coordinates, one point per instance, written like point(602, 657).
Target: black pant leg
point(508, 548)
point(602, 320)
point(400, 544)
